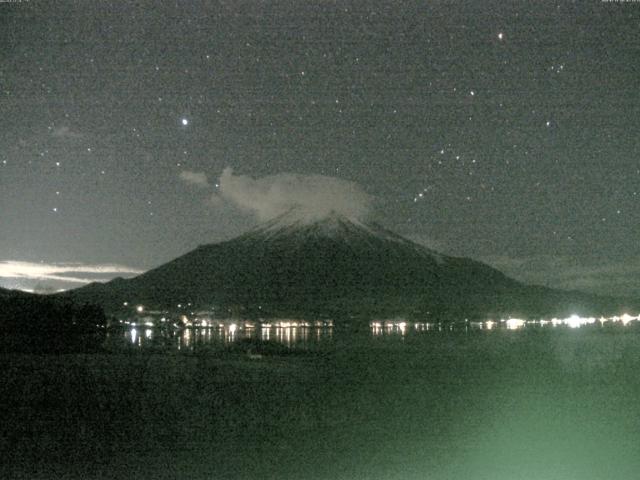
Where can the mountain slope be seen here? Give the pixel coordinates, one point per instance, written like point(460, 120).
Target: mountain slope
point(291, 265)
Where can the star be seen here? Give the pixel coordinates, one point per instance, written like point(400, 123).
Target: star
point(464, 125)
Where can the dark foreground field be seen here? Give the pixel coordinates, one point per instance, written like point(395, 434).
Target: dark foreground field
point(560, 404)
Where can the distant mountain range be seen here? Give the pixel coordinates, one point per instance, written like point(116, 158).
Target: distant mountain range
point(333, 266)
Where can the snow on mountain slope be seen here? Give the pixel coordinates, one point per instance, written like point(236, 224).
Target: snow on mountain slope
point(294, 225)
point(294, 263)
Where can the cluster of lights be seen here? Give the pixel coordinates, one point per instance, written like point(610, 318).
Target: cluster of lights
point(574, 321)
point(389, 327)
point(379, 327)
point(287, 332)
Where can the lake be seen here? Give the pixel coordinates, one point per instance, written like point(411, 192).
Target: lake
point(388, 400)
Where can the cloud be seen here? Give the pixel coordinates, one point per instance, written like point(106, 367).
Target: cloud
point(594, 275)
point(313, 196)
point(65, 132)
point(198, 179)
point(63, 272)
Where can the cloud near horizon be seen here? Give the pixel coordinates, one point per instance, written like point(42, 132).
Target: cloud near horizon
point(62, 272)
point(314, 196)
point(593, 275)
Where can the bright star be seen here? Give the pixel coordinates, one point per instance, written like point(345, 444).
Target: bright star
point(185, 121)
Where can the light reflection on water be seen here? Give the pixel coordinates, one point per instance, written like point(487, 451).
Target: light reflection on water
point(290, 334)
point(302, 335)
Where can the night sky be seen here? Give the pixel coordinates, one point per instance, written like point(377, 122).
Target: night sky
point(503, 131)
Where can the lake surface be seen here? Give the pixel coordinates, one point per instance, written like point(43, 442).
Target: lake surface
point(390, 400)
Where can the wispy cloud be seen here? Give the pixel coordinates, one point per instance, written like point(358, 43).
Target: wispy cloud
point(65, 132)
point(62, 272)
point(568, 272)
point(313, 196)
point(199, 179)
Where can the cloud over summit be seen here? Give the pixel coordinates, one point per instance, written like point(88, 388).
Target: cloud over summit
point(312, 196)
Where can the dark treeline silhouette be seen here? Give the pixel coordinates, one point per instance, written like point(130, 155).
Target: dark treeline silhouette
point(35, 323)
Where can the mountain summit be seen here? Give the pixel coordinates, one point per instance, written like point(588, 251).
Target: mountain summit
point(297, 265)
point(293, 226)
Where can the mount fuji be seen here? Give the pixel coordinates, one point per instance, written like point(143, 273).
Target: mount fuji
point(315, 267)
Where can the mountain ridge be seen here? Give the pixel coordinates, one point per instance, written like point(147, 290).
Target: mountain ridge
point(295, 265)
